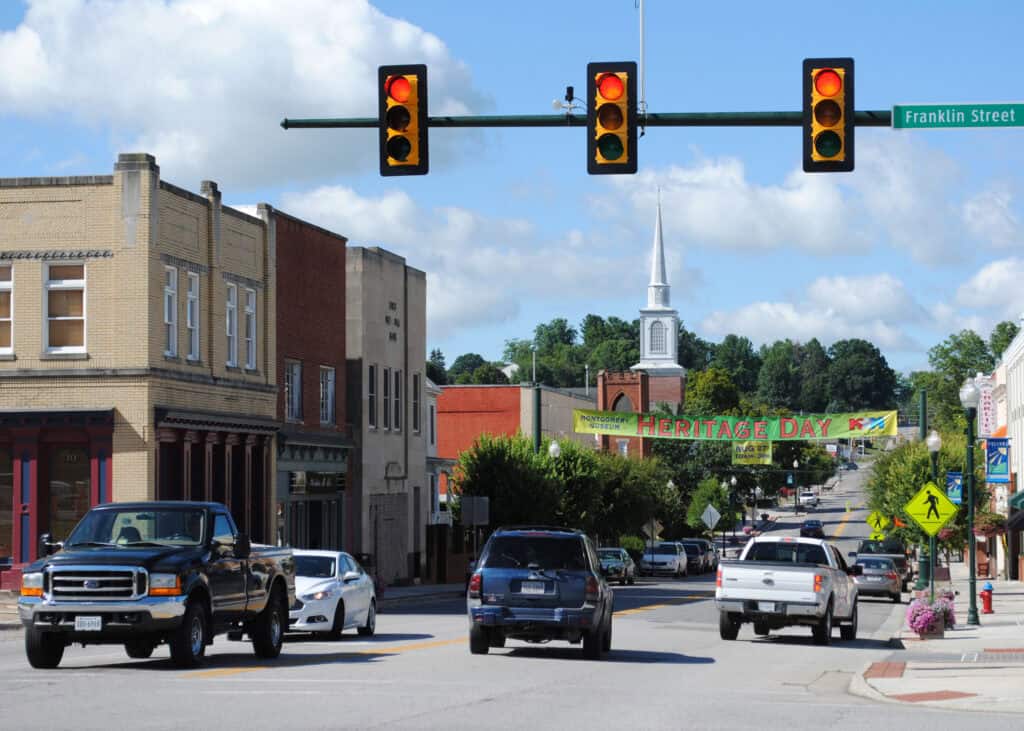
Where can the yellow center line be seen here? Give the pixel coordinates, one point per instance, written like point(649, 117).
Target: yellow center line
point(842, 525)
point(661, 605)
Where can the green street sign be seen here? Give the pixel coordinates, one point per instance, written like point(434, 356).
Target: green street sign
point(941, 116)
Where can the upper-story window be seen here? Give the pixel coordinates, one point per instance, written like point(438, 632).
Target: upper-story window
point(231, 324)
point(433, 419)
point(657, 337)
point(386, 394)
point(250, 329)
point(326, 395)
point(170, 311)
point(293, 390)
point(65, 308)
point(192, 316)
point(371, 396)
point(398, 400)
point(6, 310)
point(416, 402)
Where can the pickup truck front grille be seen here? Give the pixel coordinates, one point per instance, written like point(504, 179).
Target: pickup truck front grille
point(95, 583)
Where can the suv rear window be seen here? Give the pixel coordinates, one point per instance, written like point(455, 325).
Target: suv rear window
point(788, 552)
point(547, 552)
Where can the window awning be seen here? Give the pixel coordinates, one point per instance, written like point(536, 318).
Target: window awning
point(1017, 501)
point(1016, 522)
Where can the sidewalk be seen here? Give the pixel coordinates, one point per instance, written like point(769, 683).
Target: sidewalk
point(978, 668)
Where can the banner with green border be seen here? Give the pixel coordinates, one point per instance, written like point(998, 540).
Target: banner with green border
point(736, 428)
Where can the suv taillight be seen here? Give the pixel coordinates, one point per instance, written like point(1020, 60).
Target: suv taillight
point(591, 593)
point(475, 582)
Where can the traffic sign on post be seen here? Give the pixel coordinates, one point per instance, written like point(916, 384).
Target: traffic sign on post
point(930, 508)
point(878, 521)
point(710, 516)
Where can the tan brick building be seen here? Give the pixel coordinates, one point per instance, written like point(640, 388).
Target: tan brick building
point(137, 351)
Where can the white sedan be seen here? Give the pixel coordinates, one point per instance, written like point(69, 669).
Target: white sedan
point(332, 594)
point(808, 499)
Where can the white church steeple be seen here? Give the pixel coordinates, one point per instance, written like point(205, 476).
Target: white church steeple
point(659, 323)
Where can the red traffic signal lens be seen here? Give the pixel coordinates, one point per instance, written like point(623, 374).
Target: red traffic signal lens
point(828, 83)
point(827, 113)
point(398, 88)
point(610, 86)
point(610, 147)
point(399, 148)
point(609, 116)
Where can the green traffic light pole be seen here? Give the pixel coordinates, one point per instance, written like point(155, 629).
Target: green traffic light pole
point(877, 118)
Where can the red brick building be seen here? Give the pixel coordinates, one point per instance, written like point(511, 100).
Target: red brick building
point(314, 439)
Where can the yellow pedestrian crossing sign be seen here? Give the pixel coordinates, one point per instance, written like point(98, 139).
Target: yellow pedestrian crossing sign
point(877, 536)
point(878, 521)
point(930, 508)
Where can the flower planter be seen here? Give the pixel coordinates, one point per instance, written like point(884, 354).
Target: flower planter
point(936, 632)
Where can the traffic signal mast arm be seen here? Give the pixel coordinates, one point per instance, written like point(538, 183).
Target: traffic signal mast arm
point(876, 118)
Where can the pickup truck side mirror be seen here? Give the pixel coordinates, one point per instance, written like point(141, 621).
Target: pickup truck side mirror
point(856, 570)
point(47, 544)
point(350, 576)
point(243, 548)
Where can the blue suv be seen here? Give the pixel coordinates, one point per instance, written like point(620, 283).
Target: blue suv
point(538, 583)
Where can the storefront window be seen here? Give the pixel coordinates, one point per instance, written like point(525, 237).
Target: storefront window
point(69, 489)
point(6, 506)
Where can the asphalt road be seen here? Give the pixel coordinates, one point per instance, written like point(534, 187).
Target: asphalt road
point(667, 669)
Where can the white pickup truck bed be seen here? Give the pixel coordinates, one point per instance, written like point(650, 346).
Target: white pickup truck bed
point(798, 581)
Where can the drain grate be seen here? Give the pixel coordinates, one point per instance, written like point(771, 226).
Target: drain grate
point(994, 657)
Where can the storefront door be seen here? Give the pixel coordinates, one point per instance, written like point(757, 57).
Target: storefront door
point(69, 489)
point(6, 506)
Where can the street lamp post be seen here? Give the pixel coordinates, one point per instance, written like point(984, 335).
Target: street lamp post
point(970, 395)
point(796, 488)
point(934, 442)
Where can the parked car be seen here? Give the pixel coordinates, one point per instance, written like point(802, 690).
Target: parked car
point(710, 552)
point(666, 559)
point(888, 548)
point(539, 584)
point(784, 581)
point(808, 499)
point(617, 564)
point(140, 574)
point(333, 594)
point(880, 578)
point(696, 557)
point(812, 529)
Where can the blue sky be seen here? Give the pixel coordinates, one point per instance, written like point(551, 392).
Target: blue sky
point(920, 241)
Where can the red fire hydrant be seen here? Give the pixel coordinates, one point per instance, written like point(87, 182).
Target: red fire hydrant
point(986, 598)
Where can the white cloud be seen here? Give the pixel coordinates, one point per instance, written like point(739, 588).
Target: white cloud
point(996, 287)
point(873, 308)
point(989, 216)
point(204, 84)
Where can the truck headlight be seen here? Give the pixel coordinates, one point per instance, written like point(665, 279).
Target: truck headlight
point(164, 585)
point(32, 584)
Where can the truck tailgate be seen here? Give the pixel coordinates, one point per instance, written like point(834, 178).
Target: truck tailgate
point(754, 580)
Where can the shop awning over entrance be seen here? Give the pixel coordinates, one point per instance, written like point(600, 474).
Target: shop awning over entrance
point(1016, 522)
point(1017, 501)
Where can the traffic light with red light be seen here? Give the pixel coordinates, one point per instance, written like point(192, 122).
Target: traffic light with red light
point(402, 93)
point(611, 118)
point(828, 115)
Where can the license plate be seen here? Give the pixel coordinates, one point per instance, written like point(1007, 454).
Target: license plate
point(766, 606)
point(532, 587)
point(88, 624)
point(874, 578)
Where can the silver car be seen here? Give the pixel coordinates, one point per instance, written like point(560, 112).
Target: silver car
point(880, 578)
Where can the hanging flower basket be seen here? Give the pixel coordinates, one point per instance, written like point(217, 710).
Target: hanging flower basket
point(989, 525)
point(945, 534)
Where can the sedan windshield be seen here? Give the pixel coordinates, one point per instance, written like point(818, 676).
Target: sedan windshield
point(668, 548)
point(161, 526)
point(314, 567)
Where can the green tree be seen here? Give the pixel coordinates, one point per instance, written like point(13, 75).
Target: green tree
point(614, 355)
point(813, 373)
point(465, 364)
point(1002, 335)
point(960, 355)
point(435, 367)
point(778, 382)
point(708, 492)
point(711, 392)
point(548, 337)
point(735, 355)
point(859, 377)
point(488, 374)
point(694, 352)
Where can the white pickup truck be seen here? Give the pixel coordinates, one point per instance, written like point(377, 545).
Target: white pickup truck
point(783, 581)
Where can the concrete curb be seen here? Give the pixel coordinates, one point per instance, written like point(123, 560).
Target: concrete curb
point(859, 686)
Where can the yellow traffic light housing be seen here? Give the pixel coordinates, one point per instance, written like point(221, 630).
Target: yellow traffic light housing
point(828, 115)
point(402, 108)
point(611, 118)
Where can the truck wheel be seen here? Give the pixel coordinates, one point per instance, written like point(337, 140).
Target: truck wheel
point(822, 631)
point(370, 627)
point(139, 649)
point(606, 646)
point(593, 642)
point(188, 642)
point(761, 628)
point(497, 638)
point(728, 628)
point(849, 631)
point(267, 631)
point(43, 649)
point(479, 642)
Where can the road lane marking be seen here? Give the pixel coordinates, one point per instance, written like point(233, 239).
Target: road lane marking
point(842, 525)
point(661, 605)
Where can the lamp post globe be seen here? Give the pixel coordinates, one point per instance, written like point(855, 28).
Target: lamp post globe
point(554, 450)
point(970, 395)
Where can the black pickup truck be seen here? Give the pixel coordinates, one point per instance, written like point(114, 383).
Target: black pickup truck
point(140, 574)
